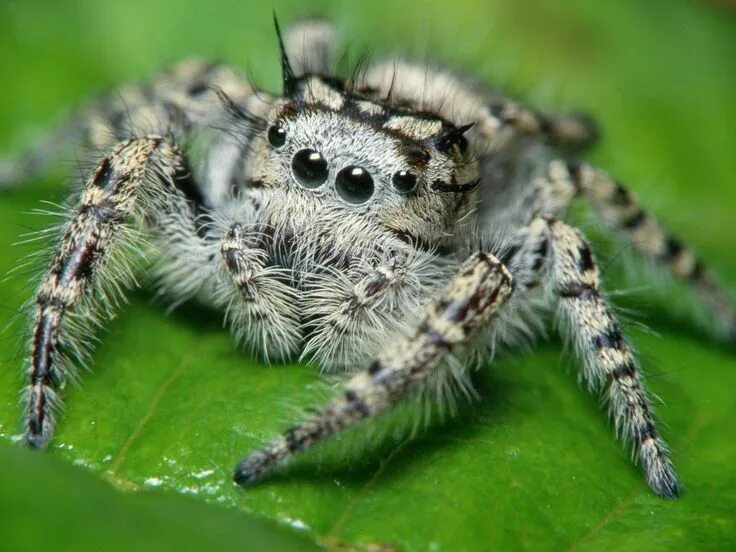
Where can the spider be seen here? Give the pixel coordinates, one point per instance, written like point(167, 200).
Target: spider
point(400, 224)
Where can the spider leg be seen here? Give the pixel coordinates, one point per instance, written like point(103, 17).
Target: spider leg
point(260, 304)
point(621, 211)
point(350, 319)
point(618, 208)
point(498, 119)
point(571, 131)
point(171, 102)
point(88, 267)
point(591, 325)
point(549, 194)
point(475, 294)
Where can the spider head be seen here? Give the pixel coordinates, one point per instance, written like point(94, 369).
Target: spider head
point(410, 171)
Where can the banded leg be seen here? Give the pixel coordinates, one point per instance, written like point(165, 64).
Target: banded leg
point(476, 293)
point(621, 211)
point(549, 194)
point(346, 319)
point(591, 325)
point(552, 193)
point(174, 101)
point(171, 102)
point(498, 120)
point(261, 305)
point(88, 268)
point(571, 131)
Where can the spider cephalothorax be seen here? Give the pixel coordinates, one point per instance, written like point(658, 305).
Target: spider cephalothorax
point(391, 224)
point(401, 173)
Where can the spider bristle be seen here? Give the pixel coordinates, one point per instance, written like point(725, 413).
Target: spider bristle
point(287, 72)
point(237, 113)
point(357, 72)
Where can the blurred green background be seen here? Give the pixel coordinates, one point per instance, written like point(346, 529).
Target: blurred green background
point(172, 405)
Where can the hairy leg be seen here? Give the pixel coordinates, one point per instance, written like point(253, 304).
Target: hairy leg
point(569, 270)
point(351, 314)
point(499, 121)
point(621, 211)
point(346, 318)
point(261, 305)
point(569, 131)
point(175, 101)
point(551, 194)
point(476, 293)
point(88, 267)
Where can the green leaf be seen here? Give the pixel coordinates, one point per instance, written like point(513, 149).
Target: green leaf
point(47, 505)
point(172, 405)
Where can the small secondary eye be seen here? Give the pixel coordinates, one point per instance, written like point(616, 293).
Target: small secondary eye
point(354, 184)
point(277, 136)
point(309, 167)
point(404, 181)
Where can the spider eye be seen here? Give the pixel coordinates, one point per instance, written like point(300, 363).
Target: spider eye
point(404, 181)
point(309, 168)
point(354, 184)
point(277, 136)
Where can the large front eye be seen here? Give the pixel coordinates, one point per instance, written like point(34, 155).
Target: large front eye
point(309, 167)
point(404, 181)
point(277, 136)
point(354, 184)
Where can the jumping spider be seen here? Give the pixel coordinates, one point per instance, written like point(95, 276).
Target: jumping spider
point(395, 224)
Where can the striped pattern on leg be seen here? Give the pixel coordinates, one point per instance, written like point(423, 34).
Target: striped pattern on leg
point(476, 293)
point(261, 305)
point(65, 308)
point(590, 323)
point(619, 208)
point(574, 132)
